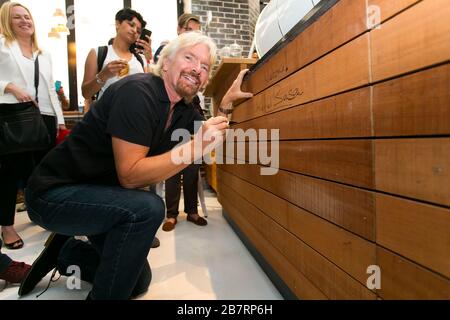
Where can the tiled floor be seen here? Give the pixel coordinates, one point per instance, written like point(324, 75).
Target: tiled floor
point(192, 263)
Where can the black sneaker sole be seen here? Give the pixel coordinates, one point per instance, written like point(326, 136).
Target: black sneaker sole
point(45, 263)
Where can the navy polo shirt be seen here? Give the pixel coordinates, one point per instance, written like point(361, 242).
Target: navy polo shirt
point(134, 109)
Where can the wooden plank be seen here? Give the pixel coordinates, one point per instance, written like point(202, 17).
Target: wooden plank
point(335, 283)
point(416, 231)
point(415, 168)
point(389, 8)
point(348, 251)
point(343, 22)
point(220, 76)
point(270, 204)
point(344, 115)
point(402, 279)
point(351, 208)
point(346, 161)
point(344, 69)
point(226, 73)
point(418, 37)
point(418, 104)
point(295, 280)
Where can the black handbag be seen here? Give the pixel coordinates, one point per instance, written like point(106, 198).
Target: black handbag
point(22, 127)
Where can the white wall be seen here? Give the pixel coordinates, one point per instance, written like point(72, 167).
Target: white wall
point(161, 17)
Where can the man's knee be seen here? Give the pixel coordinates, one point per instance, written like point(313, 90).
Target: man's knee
point(160, 209)
point(153, 208)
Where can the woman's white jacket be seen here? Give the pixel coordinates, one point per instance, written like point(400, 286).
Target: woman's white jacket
point(11, 71)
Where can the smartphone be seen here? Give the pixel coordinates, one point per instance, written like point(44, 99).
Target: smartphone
point(143, 36)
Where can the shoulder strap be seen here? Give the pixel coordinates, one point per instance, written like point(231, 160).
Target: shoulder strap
point(102, 52)
point(139, 58)
point(101, 56)
point(36, 76)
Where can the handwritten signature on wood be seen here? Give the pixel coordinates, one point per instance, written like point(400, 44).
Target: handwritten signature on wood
point(282, 100)
point(276, 73)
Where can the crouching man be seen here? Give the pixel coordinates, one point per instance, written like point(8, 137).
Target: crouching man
point(91, 184)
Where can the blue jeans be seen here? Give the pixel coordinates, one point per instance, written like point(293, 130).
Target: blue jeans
point(126, 220)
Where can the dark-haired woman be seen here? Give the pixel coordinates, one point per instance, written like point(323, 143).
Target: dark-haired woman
point(120, 59)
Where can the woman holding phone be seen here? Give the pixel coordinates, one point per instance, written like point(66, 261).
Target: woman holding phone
point(122, 56)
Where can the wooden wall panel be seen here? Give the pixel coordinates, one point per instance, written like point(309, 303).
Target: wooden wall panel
point(402, 279)
point(348, 251)
point(350, 208)
point(416, 231)
point(278, 208)
point(415, 168)
point(331, 280)
point(340, 116)
point(418, 37)
point(346, 19)
point(389, 8)
point(418, 104)
point(294, 279)
point(364, 119)
point(346, 161)
point(344, 69)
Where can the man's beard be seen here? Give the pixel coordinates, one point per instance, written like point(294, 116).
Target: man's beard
point(184, 89)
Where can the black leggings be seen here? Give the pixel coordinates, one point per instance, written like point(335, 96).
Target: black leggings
point(18, 167)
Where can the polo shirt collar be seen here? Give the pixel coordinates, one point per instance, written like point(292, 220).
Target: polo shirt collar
point(162, 93)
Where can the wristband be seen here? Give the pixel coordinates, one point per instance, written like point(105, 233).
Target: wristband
point(99, 80)
point(225, 111)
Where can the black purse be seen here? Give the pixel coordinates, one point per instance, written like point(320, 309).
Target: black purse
point(22, 127)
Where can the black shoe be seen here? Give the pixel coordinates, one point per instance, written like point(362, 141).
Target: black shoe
point(45, 263)
point(80, 253)
point(155, 243)
point(198, 221)
point(143, 281)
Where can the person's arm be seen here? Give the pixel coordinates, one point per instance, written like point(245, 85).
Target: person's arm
point(147, 48)
point(20, 94)
point(3, 85)
point(234, 93)
point(93, 81)
point(136, 170)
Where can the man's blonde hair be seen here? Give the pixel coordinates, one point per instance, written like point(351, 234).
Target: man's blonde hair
point(184, 19)
point(185, 40)
point(6, 23)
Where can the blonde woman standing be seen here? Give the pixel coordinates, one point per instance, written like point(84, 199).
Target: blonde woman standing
point(18, 52)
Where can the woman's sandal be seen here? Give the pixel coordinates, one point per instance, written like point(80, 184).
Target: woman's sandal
point(18, 244)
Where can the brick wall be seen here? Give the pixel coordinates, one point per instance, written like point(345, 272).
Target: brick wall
point(232, 20)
